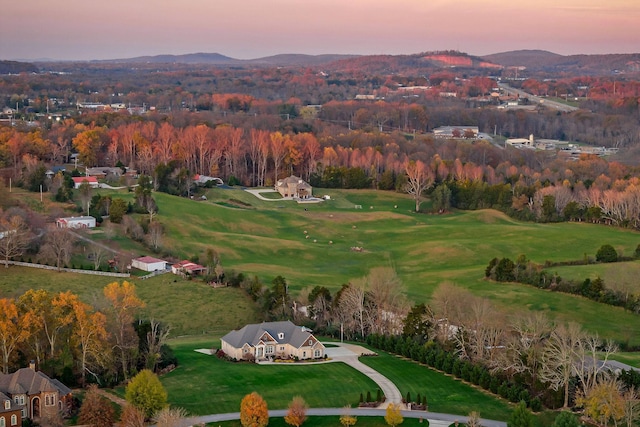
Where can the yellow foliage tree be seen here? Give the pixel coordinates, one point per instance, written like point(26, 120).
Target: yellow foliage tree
point(604, 402)
point(12, 331)
point(346, 419)
point(393, 417)
point(254, 411)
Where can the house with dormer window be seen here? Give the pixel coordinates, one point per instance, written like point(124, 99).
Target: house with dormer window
point(272, 340)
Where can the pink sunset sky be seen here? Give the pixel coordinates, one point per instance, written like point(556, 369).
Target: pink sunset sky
point(245, 29)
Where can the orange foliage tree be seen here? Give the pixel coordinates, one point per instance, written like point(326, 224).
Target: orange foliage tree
point(254, 411)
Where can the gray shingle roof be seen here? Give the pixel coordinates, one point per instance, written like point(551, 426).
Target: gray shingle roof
point(251, 334)
point(28, 381)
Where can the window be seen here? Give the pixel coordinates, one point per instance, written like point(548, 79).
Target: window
point(281, 348)
point(2, 422)
point(269, 349)
point(7, 404)
point(49, 399)
point(316, 353)
point(281, 334)
point(14, 420)
point(310, 342)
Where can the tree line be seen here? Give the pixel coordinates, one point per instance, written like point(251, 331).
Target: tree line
point(80, 343)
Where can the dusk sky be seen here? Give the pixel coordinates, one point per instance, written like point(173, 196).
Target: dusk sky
point(246, 29)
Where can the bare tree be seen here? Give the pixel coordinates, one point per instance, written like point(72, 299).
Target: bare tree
point(387, 305)
point(58, 244)
point(155, 234)
point(171, 417)
point(559, 357)
point(99, 255)
point(14, 237)
point(351, 306)
point(156, 338)
point(419, 178)
point(85, 192)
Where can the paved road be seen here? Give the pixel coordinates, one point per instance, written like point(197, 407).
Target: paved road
point(537, 100)
point(435, 419)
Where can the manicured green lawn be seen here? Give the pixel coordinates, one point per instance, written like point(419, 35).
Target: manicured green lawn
point(204, 384)
point(444, 393)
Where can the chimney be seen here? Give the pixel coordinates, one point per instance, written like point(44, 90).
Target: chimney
point(32, 365)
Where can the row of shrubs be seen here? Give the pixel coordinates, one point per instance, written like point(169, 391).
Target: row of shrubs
point(526, 272)
point(435, 356)
point(369, 402)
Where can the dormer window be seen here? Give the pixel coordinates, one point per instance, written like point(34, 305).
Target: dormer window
point(280, 335)
point(7, 404)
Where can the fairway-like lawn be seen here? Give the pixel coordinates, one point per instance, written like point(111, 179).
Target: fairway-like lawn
point(267, 238)
point(204, 384)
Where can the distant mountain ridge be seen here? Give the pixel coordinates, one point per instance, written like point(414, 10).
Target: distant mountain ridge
point(541, 60)
point(15, 67)
point(219, 59)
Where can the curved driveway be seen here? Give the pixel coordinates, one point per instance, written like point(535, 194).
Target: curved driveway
point(349, 354)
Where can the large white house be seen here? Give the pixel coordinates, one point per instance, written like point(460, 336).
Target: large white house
point(270, 340)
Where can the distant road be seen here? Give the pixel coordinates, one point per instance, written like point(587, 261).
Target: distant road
point(537, 100)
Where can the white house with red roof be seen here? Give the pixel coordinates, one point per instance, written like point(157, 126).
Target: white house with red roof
point(149, 263)
point(184, 268)
point(91, 180)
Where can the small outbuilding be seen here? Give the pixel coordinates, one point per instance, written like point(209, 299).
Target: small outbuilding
point(187, 268)
point(91, 180)
point(76, 222)
point(148, 263)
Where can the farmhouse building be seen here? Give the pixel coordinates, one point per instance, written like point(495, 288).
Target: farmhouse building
point(91, 180)
point(293, 187)
point(270, 340)
point(76, 222)
point(187, 268)
point(148, 263)
point(32, 394)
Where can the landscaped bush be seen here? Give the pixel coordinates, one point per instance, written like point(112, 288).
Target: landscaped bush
point(606, 253)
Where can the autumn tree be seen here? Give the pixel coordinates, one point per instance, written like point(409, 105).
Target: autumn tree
point(48, 313)
point(145, 392)
point(91, 336)
point(603, 403)
point(254, 411)
point(88, 144)
point(278, 151)
point(96, 410)
point(346, 419)
point(297, 412)
point(124, 307)
point(473, 419)
point(12, 330)
point(419, 178)
point(170, 417)
point(132, 417)
point(393, 416)
point(14, 237)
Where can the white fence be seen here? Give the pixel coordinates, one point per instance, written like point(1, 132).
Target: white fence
point(69, 270)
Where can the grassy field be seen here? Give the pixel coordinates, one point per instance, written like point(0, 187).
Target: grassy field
point(444, 393)
point(267, 238)
point(332, 422)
